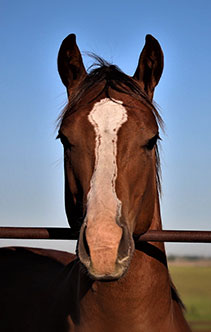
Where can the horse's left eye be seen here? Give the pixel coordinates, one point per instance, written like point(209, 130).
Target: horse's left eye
point(64, 140)
point(151, 143)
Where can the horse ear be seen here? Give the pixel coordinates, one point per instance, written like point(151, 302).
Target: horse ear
point(70, 65)
point(150, 66)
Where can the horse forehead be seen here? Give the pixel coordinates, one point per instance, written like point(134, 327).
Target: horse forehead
point(107, 116)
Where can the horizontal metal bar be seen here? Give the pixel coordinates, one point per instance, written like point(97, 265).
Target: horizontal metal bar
point(66, 234)
point(48, 233)
point(176, 236)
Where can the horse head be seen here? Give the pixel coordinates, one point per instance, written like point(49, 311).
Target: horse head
point(109, 131)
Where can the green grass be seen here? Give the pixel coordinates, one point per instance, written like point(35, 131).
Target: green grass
point(194, 286)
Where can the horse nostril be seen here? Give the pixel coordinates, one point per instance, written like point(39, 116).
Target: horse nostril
point(86, 247)
point(126, 245)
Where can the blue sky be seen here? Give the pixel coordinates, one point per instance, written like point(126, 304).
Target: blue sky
point(32, 96)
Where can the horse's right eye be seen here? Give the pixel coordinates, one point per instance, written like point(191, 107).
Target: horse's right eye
point(66, 144)
point(151, 143)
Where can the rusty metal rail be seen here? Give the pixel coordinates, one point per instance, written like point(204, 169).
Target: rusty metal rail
point(177, 236)
point(48, 233)
point(66, 234)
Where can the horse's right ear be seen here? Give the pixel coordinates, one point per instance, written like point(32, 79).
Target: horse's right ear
point(70, 65)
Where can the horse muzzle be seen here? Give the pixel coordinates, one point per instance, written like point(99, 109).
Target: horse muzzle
point(105, 249)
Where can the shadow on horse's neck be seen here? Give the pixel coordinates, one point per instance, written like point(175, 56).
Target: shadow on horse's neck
point(156, 220)
point(155, 251)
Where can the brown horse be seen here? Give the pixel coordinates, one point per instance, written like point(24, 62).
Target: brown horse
point(109, 131)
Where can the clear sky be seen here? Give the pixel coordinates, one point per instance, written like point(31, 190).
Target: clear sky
point(32, 96)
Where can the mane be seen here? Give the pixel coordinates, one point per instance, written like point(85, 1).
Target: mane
point(112, 78)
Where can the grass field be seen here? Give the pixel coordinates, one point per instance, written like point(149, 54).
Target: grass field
point(193, 282)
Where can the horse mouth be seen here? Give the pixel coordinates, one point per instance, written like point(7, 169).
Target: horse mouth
point(122, 262)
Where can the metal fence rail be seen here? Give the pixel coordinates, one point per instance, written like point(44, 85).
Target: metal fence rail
point(66, 234)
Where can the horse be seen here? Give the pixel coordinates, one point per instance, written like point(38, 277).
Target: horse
point(110, 132)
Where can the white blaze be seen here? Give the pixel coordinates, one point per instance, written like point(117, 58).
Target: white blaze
point(106, 117)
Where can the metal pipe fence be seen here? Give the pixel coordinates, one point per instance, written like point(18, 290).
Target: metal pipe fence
point(52, 233)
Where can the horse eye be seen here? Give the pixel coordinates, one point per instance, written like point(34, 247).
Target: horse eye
point(64, 140)
point(151, 143)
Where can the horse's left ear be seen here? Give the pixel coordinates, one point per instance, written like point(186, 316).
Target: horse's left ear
point(70, 64)
point(150, 66)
